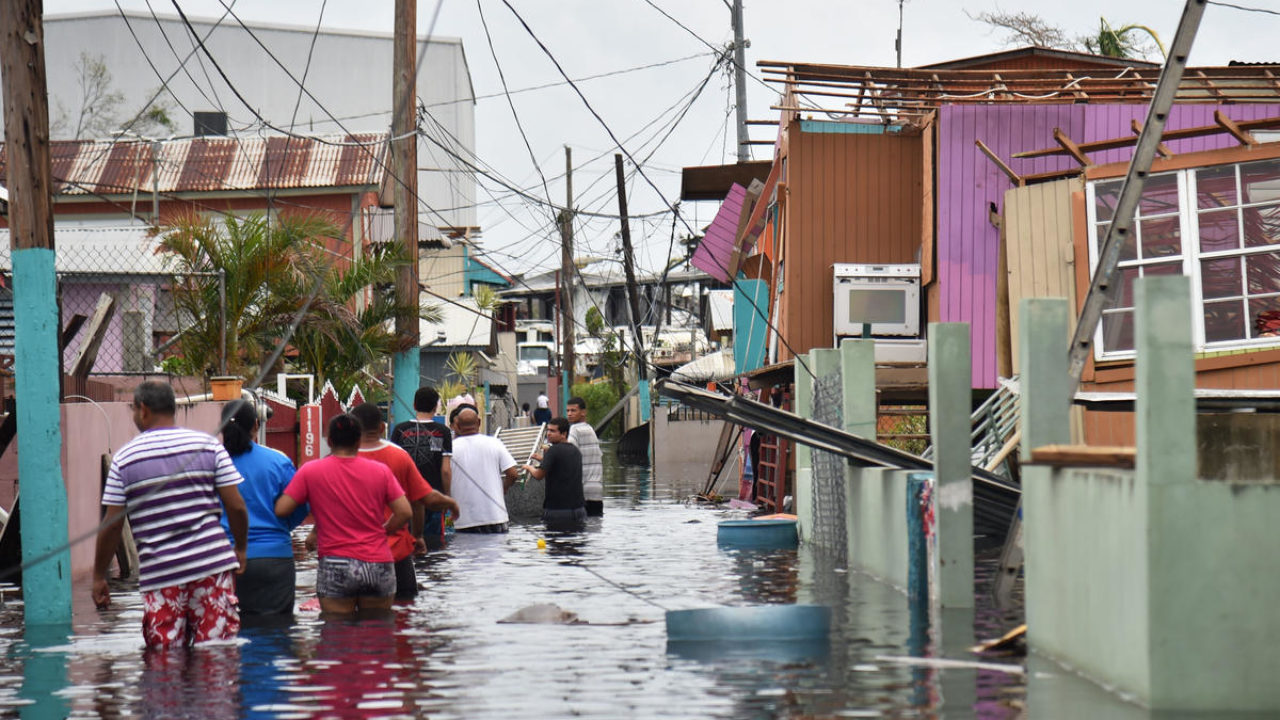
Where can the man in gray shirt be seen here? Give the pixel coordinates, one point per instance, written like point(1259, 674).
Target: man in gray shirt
point(582, 435)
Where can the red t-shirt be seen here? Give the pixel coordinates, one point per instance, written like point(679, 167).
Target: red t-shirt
point(349, 498)
point(415, 488)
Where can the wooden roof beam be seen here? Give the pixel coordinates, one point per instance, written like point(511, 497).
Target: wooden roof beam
point(1004, 167)
point(1180, 134)
point(1240, 134)
point(1137, 130)
point(1071, 147)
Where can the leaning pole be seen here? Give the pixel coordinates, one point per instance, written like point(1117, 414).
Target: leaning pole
point(46, 557)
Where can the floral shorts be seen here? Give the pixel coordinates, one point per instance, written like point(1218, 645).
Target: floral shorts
point(204, 609)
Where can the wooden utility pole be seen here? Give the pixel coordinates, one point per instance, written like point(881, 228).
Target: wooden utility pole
point(46, 579)
point(740, 81)
point(628, 265)
point(404, 164)
point(566, 276)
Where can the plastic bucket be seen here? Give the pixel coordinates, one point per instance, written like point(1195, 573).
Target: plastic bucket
point(758, 622)
point(773, 533)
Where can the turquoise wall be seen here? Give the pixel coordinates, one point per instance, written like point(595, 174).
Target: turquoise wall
point(750, 324)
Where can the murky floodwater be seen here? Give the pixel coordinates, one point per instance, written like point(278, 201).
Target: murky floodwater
point(446, 656)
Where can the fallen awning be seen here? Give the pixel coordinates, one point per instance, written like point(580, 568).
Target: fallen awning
point(995, 499)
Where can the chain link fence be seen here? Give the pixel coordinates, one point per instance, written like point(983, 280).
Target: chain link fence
point(115, 295)
point(829, 471)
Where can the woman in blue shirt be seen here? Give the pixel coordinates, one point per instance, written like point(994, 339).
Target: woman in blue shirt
point(267, 585)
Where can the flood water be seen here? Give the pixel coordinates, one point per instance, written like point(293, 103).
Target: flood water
point(446, 655)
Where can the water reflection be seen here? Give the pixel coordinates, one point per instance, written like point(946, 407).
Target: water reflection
point(446, 656)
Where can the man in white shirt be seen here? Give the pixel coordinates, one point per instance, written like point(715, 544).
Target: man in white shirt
point(483, 469)
point(584, 436)
point(542, 413)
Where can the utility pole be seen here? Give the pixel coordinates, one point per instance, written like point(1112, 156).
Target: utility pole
point(404, 163)
point(46, 579)
point(628, 265)
point(566, 281)
point(897, 43)
point(740, 81)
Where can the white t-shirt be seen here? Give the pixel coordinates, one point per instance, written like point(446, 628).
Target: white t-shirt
point(478, 463)
point(543, 403)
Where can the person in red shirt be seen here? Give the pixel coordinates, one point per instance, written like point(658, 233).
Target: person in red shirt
point(349, 498)
point(422, 497)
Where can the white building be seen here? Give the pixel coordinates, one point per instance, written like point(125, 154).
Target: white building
point(348, 83)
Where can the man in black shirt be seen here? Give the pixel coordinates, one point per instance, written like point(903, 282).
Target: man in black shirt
point(430, 444)
point(561, 466)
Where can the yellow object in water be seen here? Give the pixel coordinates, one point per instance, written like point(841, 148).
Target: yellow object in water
point(542, 544)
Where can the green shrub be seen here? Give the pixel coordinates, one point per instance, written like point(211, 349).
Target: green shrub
point(601, 398)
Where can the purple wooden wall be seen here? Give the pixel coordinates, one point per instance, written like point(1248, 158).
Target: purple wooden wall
point(969, 184)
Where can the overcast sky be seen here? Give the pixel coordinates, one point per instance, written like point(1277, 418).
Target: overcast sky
point(589, 37)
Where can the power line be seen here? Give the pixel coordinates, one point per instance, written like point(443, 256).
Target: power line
point(800, 361)
point(1267, 11)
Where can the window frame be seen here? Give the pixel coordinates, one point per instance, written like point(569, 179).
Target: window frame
point(1191, 256)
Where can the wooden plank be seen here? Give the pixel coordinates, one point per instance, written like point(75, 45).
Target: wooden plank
point(1136, 127)
point(1182, 134)
point(88, 352)
point(1004, 168)
point(1240, 134)
point(1084, 456)
point(1071, 147)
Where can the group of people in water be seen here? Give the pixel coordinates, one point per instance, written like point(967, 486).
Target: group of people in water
point(213, 522)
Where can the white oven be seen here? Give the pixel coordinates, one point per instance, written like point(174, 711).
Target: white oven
point(877, 301)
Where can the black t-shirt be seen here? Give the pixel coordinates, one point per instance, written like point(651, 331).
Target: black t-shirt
point(563, 465)
point(427, 443)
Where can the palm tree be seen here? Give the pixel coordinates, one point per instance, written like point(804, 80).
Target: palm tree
point(1119, 42)
point(266, 268)
point(342, 337)
point(271, 270)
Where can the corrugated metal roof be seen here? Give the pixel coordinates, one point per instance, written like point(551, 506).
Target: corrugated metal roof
point(212, 164)
point(715, 251)
point(100, 251)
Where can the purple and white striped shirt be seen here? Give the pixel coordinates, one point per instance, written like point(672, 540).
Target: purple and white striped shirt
point(167, 479)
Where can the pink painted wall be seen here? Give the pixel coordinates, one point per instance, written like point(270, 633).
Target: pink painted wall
point(969, 184)
point(88, 431)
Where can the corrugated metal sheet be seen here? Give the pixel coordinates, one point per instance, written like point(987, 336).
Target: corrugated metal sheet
point(216, 164)
point(1038, 232)
point(851, 199)
point(716, 248)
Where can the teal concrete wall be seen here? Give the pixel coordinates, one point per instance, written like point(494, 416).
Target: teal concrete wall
point(804, 455)
point(1153, 581)
point(404, 369)
point(876, 513)
point(950, 405)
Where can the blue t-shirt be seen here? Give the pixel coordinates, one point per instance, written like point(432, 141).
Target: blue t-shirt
point(266, 472)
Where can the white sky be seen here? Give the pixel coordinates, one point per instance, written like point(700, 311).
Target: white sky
point(589, 37)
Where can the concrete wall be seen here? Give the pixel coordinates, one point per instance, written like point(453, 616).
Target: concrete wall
point(682, 452)
point(876, 512)
point(1154, 582)
point(1086, 572)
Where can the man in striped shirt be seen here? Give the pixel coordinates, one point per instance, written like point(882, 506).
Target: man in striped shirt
point(173, 484)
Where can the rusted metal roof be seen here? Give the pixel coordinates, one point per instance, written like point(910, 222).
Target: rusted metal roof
point(215, 164)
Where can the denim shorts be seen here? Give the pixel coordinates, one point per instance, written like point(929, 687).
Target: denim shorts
point(340, 577)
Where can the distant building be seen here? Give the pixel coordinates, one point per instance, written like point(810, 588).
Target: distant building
point(347, 77)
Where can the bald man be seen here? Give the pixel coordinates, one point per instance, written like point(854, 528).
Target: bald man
point(483, 469)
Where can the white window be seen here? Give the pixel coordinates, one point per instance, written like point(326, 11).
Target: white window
point(1219, 225)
